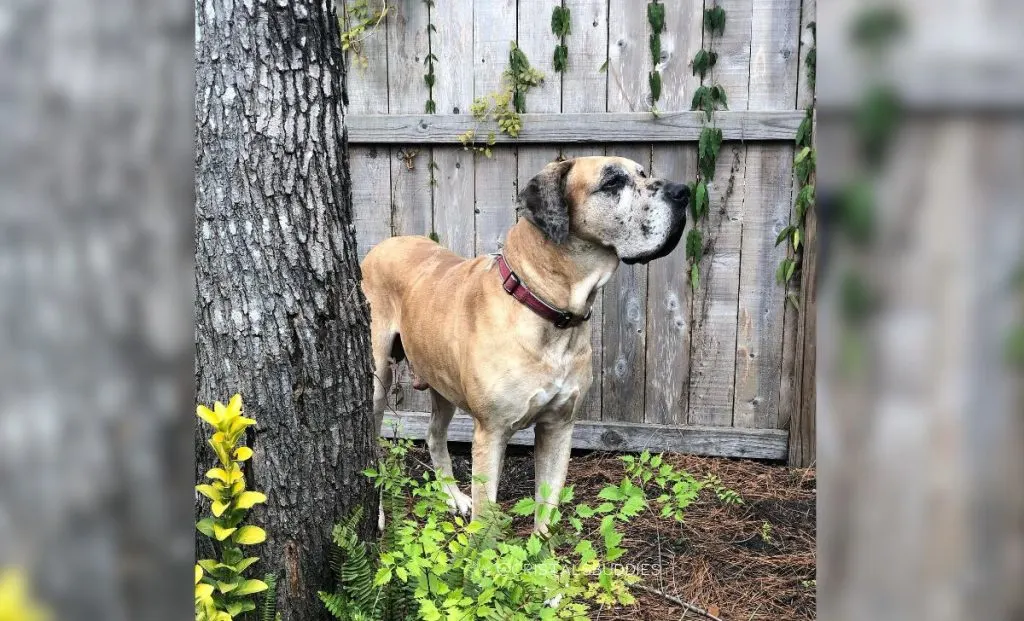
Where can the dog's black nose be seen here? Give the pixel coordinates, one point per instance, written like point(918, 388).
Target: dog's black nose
point(677, 192)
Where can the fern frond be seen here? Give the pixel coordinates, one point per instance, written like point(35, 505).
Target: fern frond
point(335, 604)
point(268, 610)
point(352, 566)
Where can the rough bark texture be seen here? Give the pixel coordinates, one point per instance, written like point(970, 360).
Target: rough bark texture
point(280, 316)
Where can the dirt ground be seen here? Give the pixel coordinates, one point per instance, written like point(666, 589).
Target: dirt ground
point(741, 562)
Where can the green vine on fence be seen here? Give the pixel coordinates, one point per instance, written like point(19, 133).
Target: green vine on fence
point(656, 19)
point(560, 28)
point(707, 99)
point(804, 167)
point(505, 105)
point(430, 78)
point(357, 23)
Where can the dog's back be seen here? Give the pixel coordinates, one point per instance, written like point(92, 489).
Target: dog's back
point(399, 263)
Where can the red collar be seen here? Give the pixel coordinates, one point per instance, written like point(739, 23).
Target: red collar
point(515, 287)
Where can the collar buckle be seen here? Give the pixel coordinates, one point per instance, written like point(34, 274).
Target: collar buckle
point(564, 320)
point(515, 283)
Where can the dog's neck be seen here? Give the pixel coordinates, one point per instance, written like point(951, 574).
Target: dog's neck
point(567, 276)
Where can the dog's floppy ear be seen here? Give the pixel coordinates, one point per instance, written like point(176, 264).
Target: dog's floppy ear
point(543, 201)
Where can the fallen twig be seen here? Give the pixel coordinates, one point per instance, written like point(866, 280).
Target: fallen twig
point(677, 601)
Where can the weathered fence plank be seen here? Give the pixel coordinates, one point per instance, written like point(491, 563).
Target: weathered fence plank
point(713, 324)
point(625, 295)
point(593, 128)
point(408, 46)
point(761, 298)
point(453, 193)
point(411, 201)
point(775, 52)
point(494, 28)
point(669, 296)
point(538, 43)
point(370, 170)
point(584, 83)
point(584, 90)
point(620, 436)
point(371, 192)
point(715, 304)
point(789, 391)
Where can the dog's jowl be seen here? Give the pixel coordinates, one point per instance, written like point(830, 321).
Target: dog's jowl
point(506, 337)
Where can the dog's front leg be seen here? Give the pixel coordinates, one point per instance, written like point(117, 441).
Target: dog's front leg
point(488, 458)
point(552, 449)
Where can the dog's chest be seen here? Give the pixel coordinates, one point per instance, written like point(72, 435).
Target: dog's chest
point(555, 391)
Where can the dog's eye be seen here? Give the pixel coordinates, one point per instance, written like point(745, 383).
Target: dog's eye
point(614, 183)
point(643, 175)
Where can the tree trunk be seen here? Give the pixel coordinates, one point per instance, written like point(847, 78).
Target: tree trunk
point(280, 316)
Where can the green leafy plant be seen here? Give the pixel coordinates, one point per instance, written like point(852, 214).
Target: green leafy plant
point(678, 489)
point(222, 589)
point(504, 106)
point(804, 166)
point(714, 21)
point(811, 62)
point(703, 62)
point(429, 564)
point(707, 98)
point(560, 24)
point(357, 23)
point(430, 78)
point(656, 20)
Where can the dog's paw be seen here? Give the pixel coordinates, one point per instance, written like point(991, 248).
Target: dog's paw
point(459, 502)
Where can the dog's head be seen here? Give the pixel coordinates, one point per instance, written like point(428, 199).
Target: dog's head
point(610, 201)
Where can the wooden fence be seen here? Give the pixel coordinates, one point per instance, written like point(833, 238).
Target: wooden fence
point(716, 370)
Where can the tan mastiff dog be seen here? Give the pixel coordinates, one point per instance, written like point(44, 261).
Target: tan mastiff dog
point(506, 337)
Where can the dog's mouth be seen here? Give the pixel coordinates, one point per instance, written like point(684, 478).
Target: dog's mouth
point(665, 250)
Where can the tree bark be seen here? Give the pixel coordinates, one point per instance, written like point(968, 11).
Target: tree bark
point(280, 316)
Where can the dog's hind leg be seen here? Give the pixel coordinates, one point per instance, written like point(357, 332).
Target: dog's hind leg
point(437, 442)
point(382, 342)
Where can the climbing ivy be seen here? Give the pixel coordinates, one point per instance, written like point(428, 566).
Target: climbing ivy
point(708, 98)
point(560, 28)
point(505, 105)
point(430, 77)
point(804, 166)
point(357, 23)
point(656, 19)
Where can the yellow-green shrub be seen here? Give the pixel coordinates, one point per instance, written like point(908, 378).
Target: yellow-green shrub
point(16, 603)
point(221, 588)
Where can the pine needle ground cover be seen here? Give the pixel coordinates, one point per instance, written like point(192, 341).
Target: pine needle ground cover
point(751, 561)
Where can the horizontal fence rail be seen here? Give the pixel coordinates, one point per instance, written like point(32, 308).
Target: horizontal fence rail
point(617, 436)
point(633, 127)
